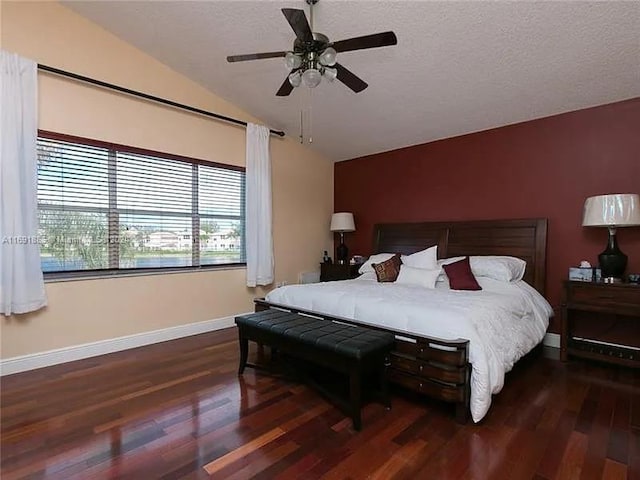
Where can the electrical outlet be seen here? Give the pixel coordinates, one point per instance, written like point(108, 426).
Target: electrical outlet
point(281, 284)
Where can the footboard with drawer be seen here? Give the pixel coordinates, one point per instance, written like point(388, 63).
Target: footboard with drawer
point(436, 368)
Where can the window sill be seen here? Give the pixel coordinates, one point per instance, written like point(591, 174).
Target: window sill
point(103, 275)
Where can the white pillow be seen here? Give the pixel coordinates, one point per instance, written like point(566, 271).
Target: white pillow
point(377, 258)
point(505, 269)
point(368, 276)
point(427, 258)
point(418, 276)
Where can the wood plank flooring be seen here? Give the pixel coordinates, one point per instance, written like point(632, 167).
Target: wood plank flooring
point(178, 410)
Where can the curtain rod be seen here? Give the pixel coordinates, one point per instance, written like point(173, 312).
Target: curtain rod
point(146, 96)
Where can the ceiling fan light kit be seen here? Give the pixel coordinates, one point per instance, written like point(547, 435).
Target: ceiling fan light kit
point(295, 78)
point(330, 73)
point(291, 60)
point(315, 66)
point(311, 77)
point(328, 57)
point(314, 56)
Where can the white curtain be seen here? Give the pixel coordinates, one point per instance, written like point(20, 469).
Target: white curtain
point(21, 283)
point(259, 238)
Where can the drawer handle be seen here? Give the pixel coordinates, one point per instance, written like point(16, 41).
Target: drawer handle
point(421, 367)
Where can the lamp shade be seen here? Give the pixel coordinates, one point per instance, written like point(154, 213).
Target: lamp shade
point(614, 210)
point(342, 222)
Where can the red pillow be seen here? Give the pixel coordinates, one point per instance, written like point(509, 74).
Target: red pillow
point(460, 275)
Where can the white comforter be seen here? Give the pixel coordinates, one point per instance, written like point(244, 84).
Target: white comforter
point(503, 321)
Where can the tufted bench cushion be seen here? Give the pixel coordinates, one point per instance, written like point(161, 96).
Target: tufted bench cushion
point(341, 339)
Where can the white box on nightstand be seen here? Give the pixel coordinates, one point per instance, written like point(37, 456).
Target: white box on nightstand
point(584, 274)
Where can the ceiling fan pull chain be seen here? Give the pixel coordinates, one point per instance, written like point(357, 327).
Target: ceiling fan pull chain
point(310, 119)
point(301, 130)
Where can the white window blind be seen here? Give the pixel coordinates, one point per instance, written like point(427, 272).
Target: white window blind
point(107, 208)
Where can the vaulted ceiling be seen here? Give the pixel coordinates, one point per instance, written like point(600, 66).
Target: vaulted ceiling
point(459, 67)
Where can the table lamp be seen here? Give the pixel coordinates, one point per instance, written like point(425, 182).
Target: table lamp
point(612, 211)
point(342, 222)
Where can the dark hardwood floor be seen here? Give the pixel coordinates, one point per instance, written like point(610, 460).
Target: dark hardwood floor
point(178, 410)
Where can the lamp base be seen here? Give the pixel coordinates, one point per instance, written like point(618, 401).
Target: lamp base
point(342, 252)
point(612, 261)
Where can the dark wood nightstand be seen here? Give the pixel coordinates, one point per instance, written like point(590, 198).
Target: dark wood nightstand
point(330, 272)
point(601, 321)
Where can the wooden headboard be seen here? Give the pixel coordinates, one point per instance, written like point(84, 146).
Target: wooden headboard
point(522, 238)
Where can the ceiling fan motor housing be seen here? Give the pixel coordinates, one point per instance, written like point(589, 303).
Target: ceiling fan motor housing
point(319, 43)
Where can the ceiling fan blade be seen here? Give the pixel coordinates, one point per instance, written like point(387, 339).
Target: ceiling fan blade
point(285, 89)
point(350, 79)
point(368, 41)
point(298, 21)
point(254, 56)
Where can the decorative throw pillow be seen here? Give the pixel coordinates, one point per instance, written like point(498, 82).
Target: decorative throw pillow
point(446, 261)
point(460, 275)
point(388, 270)
point(377, 258)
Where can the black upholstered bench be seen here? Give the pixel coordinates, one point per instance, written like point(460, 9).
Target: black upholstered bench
point(352, 350)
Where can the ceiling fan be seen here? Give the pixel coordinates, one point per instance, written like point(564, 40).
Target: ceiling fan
point(313, 56)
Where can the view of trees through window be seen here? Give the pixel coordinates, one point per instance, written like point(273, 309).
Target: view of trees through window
point(102, 207)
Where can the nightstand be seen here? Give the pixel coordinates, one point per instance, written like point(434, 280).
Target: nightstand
point(330, 272)
point(601, 321)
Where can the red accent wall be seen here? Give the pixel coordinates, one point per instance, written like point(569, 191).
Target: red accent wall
point(541, 168)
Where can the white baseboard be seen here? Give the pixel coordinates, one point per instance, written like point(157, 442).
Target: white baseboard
point(23, 363)
point(87, 350)
point(551, 340)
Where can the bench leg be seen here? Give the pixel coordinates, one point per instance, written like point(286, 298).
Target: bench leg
point(244, 352)
point(384, 383)
point(355, 394)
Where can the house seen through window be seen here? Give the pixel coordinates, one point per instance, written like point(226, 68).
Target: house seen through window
point(107, 208)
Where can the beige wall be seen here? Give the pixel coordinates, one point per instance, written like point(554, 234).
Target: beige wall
point(92, 310)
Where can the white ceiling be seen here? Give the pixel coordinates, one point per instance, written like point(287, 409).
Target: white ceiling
point(459, 67)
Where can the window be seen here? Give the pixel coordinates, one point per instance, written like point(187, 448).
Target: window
point(108, 208)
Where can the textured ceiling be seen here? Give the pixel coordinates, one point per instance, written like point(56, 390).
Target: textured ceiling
point(459, 67)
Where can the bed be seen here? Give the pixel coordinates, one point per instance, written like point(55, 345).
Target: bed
point(440, 333)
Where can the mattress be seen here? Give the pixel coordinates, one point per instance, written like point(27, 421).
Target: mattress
point(503, 321)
